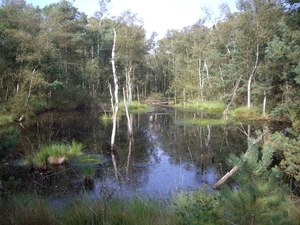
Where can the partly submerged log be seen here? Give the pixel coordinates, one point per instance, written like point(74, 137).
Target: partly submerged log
point(234, 169)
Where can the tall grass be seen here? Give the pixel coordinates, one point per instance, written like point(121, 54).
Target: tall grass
point(56, 151)
point(186, 208)
point(6, 119)
point(131, 211)
point(212, 106)
point(134, 106)
point(244, 112)
point(26, 209)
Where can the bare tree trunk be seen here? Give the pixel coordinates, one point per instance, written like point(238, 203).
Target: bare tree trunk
point(30, 85)
point(128, 83)
point(222, 79)
point(111, 99)
point(116, 106)
point(251, 76)
point(232, 98)
point(207, 74)
point(264, 104)
point(200, 79)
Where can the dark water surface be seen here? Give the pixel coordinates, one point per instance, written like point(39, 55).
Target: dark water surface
point(162, 159)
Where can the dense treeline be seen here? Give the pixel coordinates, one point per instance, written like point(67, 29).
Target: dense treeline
point(58, 57)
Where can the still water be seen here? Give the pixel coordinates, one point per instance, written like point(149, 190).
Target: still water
point(163, 157)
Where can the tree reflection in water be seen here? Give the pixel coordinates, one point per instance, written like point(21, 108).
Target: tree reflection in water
point(163, 157)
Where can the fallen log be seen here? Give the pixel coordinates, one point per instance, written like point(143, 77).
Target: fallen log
point(235, 168)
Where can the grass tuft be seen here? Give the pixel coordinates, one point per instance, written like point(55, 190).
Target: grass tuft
point(211, 106)
point(244, 112)
point(57, 153)
point(6, 119)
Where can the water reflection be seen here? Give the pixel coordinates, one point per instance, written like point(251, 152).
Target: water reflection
point(160, 159)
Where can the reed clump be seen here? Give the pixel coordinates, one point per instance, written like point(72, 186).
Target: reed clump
point(57, 153)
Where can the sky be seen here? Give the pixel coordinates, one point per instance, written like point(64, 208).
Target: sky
point(158, 15)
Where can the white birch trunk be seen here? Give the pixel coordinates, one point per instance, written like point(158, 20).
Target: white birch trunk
point(264, 104)
point(207, 74)
point(251, 76)
point(116, 105)
point(200, 79)
point(128, 84)
point(232, 98)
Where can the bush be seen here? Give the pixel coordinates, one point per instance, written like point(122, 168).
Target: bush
point(197, 207)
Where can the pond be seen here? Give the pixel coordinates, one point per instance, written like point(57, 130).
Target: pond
point(164, 157)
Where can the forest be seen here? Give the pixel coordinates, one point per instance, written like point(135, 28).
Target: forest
point(57, 57)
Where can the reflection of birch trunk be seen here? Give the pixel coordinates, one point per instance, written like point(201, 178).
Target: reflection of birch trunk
point(128, 157)
point(130, 132)
point(129, 122)
point(208, 139)
point(115, 109)
point(226, 138)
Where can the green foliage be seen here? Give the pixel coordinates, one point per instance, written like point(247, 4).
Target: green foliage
point(133, 106)
point(260, 197)
point(6, 119)
point(290, 146)
point(8, 138)
point(200, 122)
point(211, 106)
point(245, 112)
point(88, 171)
point(197, 207)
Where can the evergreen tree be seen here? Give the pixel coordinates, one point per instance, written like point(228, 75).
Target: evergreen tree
point(259, 196)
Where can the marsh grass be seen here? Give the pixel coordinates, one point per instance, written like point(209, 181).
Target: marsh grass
point(26, 209)
point(56, 152)
point(201, 122)
point(134, 106)
point(210, 106)
point(131, 211)
point(106, 117)
point(244, 112)
point(197, 207)
point(6, 119)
